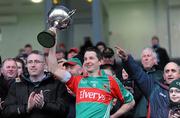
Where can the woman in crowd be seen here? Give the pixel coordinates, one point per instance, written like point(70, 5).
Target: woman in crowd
point(21, 68)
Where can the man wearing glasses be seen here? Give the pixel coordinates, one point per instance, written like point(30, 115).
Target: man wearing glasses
point(38, 95)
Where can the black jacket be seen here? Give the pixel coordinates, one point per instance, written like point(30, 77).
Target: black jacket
point(3, 88)
point(54, 92)
point(162, 56)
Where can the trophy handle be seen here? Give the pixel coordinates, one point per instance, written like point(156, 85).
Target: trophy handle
point(69, 15)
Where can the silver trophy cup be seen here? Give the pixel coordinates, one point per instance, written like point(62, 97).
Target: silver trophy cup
point(59, 18)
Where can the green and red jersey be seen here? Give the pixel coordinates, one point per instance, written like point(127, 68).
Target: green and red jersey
point(94, 95)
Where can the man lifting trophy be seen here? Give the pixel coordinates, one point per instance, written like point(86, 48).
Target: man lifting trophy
point(59, 17)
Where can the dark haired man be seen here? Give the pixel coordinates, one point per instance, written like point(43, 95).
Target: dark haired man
point(94, 91)
point(162, 54)
point(108, 57)
point(101, 46)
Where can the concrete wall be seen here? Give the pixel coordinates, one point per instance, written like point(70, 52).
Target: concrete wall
point(175, 31)
point(131, 25)
point(16, 35)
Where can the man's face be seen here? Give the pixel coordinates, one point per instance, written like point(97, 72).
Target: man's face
point(108, 60)
point(101, 47)
point(9, 69)
point(171, 72)
point(71, 54)
point(60, 55)
point(174, 94)
point(124, 75)
point(35, 64)
point(147, 59)
point(74, 69)
point(28, 50)
point(91, 62)
point(154, 42)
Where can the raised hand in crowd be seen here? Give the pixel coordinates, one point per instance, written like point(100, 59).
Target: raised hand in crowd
point(121, 53)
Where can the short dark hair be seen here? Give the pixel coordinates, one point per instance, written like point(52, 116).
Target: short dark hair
point(94, 49)
point(101, 43)
point(28, 46)
point(108, 52)
point(38, 53)
point(155, 38)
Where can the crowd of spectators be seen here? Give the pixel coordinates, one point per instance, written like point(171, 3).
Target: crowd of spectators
point(89, 82)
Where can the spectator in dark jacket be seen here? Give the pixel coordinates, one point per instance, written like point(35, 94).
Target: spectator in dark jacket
point(36, 96)
point(162, 55)
point(7, 77)
point(101, 46)
point(155, 92)
point(150, 66)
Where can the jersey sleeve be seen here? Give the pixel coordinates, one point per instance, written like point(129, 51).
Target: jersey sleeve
point(118, 91)
point(73, 82)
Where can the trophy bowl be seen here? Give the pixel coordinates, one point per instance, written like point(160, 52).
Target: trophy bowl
point(59, 17)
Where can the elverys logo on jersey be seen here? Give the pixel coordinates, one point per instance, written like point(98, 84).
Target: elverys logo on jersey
point(93, 94)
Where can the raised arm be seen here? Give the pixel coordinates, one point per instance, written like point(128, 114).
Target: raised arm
point(52, 60)
point(60, 74)
point(145, 82)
